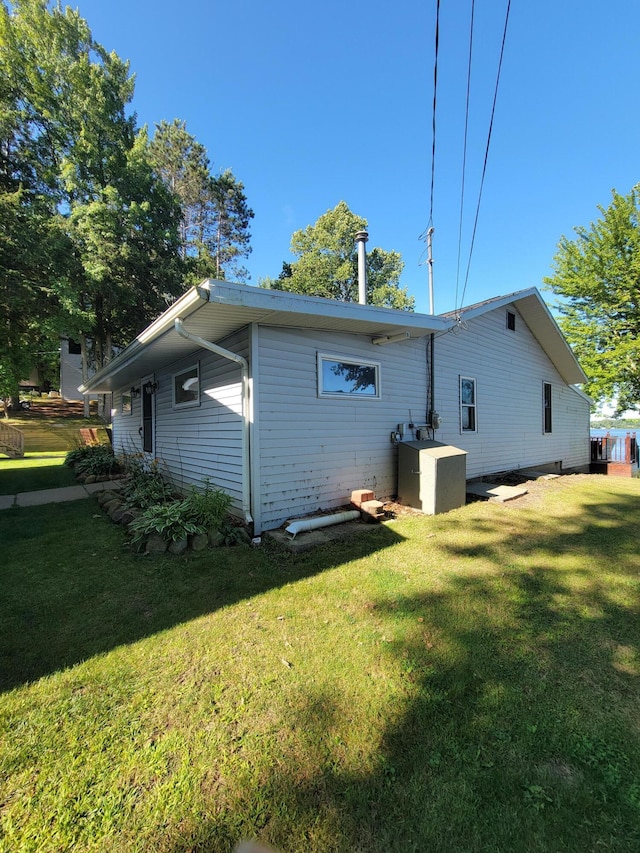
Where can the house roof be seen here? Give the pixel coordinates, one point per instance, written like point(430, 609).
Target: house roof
point(216, 309)
point(535, 313)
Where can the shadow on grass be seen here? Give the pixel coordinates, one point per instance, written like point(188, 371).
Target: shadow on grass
point(32, 475)
point(520, 729)
point(70, 588)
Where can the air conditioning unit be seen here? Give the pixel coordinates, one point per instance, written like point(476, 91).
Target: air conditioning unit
point(432, 476)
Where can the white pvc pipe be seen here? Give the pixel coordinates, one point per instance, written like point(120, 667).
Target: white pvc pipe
point(302, 524)
point(244, 366)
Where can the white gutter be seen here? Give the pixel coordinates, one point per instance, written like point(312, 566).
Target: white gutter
point(244, 366)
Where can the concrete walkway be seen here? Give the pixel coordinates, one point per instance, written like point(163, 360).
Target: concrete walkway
point(53, 496)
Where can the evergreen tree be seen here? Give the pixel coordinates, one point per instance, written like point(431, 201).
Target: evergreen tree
point(214, 229)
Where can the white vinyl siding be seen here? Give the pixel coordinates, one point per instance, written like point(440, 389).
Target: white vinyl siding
point(194, 442)
point(509, 368)
point(126, 436)
point(314, 451)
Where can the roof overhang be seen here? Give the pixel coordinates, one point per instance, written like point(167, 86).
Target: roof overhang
point(215, 309)
point(535, 313)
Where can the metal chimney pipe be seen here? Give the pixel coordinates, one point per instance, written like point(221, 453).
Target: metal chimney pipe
point(361, 240)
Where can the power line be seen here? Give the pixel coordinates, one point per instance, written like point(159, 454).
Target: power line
point(435, 97)
point(464, 151)
point(486, 153)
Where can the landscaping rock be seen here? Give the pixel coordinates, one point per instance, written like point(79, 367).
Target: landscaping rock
point(178, 546)
point(216, 539)
point(130, 514)
point(199, 542)
point(111, 505)
point(242, 537)
point(155, 544)
point(106, 496)
point(118, 514)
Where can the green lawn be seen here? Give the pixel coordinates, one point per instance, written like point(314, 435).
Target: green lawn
point(34, 472)
point(469, 682)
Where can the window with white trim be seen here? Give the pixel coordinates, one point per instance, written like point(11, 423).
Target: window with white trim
point(468, 415)
point(186, 387)
point(345, 377)
point(547, 415)
point(125, 403)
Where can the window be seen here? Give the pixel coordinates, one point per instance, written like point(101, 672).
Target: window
point(74, 347)
point(186, 387)
point(546, 397)
point(511, 321)
point(338, 377)
point(125, 407)
point(468, 420)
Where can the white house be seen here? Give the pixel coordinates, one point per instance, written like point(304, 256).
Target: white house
point(290, 402)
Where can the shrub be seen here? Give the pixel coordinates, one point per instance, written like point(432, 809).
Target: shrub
point(145, 486)
point(95, 459)
point(209, 506)
point(171, 520)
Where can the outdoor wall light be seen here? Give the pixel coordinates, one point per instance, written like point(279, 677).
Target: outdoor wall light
point(150, 388)
point(135, 392)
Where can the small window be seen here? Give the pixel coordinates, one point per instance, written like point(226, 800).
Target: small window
point(338, 377)
point(186, 387)
point(74, 347)
point(468, 420)
point(125, 403)
point(511, 321)
point(547, 414)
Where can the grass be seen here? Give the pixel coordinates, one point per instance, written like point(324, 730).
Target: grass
point(34, 472)
point(468, 682)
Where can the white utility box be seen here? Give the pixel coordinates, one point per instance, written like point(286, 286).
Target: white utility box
point(432, 476)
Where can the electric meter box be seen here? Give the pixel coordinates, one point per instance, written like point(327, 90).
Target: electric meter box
point(432, 477)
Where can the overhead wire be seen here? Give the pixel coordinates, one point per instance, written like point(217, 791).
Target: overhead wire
point(423, 236)
point(433, 122)
point(486, 153)
point(464, 149)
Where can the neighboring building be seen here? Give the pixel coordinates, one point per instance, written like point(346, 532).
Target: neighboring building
point(290, 402)
point(70, 369)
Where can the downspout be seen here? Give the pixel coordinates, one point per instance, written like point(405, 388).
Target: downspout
point(244, 366)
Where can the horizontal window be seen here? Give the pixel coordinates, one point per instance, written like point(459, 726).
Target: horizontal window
point(186, 387)
point(341, 377)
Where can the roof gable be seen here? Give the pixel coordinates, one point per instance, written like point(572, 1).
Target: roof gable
point(535, 313)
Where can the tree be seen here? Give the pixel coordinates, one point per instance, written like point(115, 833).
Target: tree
point(327, 264)
point(99, 229)
point(597, 274)
point(214, 229)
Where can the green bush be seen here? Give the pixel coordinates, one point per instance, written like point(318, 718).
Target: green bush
point(171, 520)
point(95, 459)
point(145, 486)
point(209, 506)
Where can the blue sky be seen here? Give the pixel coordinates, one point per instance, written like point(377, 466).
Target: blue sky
point(313, 103)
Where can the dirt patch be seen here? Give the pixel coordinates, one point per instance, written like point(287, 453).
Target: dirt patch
point(53, 409)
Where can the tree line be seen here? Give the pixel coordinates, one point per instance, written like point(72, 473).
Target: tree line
point(101, 227)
